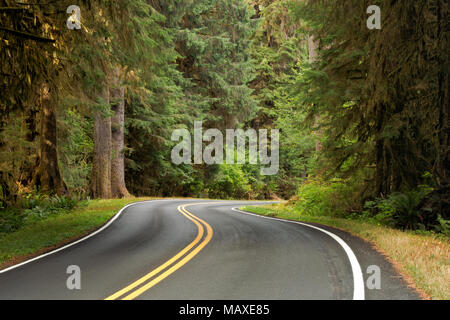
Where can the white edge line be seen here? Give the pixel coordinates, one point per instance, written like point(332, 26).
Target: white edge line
point(82, 239)
point(358, 280)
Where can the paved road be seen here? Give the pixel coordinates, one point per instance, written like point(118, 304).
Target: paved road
point(193, 249)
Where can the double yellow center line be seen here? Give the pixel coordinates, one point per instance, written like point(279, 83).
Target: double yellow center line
point(176, 262)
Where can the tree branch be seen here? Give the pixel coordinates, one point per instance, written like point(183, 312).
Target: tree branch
point(28, 35)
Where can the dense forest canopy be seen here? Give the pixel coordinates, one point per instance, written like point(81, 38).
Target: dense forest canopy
point(89, 112)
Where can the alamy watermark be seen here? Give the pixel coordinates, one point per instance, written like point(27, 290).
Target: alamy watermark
point(74, 21)
point(374, 280)
point(73, 282)
point(374, 20)
point(233, 145)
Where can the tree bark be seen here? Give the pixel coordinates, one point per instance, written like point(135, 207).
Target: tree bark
point(117, 98)
point(312, 50)
point(442, 167)
point(101, 168)
point(48, 175)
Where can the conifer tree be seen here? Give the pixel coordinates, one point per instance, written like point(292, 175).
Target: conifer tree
point(380, 92)
point(215, 50)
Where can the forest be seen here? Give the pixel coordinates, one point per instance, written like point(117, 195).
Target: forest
point(362, 113)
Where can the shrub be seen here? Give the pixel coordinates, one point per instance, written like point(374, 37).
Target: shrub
point(11, 220)
point(229, 182)
point(400, 210)
point(443, 226)
point(336, 198)
point(34, 207)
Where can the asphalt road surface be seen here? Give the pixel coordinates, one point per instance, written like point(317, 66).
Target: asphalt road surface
point(194, 249)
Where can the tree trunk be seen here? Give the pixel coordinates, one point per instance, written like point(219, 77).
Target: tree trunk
point(101, 168)
point(312, 50)
point(442, 167)
point(48, 175)
point(117, 98)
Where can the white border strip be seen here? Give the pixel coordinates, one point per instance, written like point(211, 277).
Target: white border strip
point(358, 280)
point(117, 215)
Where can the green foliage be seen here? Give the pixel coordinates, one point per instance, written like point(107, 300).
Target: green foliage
point(278, 51)
point(26, 45)
point(75, 150)
point(34, 207)
point(11, 220)
point(401, 210)
point(443, 226)
point(364, 120)
point(51, 206)
point(370, 92)
point(211, 83)
point(230, 182)
point(215, 55)
point(17, 158)
point(337, 199)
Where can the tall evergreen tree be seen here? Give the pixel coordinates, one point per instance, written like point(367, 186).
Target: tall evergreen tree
point(379, 92)
point(31, 49)
point(215, 50)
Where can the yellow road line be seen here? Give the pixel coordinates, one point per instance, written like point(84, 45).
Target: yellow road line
point(194, 219)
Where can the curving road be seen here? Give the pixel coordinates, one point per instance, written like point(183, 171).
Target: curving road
point(202, 250)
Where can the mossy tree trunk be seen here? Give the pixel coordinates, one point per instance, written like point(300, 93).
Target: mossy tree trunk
point(48, 176)
point(313, 54)
point(101, 168)
point(117, 99)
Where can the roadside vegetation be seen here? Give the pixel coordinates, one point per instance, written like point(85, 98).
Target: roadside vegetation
point(366, 106)
point(363, 114)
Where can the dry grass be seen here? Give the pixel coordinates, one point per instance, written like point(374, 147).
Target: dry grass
point(423, 259)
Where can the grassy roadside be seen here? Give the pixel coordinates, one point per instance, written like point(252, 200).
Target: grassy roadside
point(424, 258)
point(54, 231)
